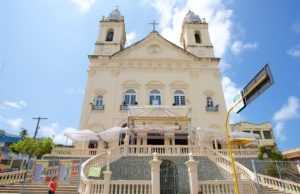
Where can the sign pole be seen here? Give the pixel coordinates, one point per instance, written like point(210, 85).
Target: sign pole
point(259, 83)
point(229, 143)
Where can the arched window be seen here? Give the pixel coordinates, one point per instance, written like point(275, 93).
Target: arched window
point(93, 144)
point(130, 97)
point(197, 37)
point(179, 98)
point(98, 101)
point(110, 35)
point(155, 98)
point(209, 102)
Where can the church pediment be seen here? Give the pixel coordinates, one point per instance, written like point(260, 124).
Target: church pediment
point(154, 46)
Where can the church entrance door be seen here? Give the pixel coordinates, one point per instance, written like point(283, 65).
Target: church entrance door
point(168, 177)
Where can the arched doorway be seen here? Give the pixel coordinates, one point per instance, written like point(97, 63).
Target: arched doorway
point(168, 178)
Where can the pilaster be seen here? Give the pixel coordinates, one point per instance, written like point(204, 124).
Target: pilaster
point(192, 166)
point(155, 174)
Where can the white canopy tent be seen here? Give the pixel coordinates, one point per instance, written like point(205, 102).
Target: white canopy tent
point(82, 135)
point(107, 135)
point(208, 134)
point(112, 134)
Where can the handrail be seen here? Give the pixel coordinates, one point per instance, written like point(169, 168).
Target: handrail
point(224, 187)
point(224, 162)
point(148, 150)
point(240, 153)
point(62, 151)
point(278, 184)
point(264, 180)
point(13, 177)
point(100, 160)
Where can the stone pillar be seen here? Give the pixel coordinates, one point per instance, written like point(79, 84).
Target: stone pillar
point(155, 174)
point(192, 166)
point(126, 143)
point(88, 188)
point(107, 174)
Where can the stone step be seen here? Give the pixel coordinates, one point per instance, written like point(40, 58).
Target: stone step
point(266, 190)
point(37, 189)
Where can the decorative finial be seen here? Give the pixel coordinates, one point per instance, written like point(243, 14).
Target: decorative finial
point(191, 157)
point(155, 156)
point(154, 23)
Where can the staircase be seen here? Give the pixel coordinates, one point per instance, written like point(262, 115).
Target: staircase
point(42, 188)
point(266, 190)
point(37, 189)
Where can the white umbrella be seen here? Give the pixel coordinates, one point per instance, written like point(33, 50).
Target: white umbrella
point(111, 134)
point(82, 135)
point(210, 133)
point(207, 135)
point(243, 138)
point(240, 134)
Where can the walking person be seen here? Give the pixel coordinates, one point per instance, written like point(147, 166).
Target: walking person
point(52, 185)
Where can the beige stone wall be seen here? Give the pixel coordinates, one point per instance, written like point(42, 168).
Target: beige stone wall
point(263, 141)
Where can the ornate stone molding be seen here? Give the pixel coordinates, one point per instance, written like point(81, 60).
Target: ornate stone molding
point(99, 91)
point(155, 85)
point(131, 84)
point(178, 85)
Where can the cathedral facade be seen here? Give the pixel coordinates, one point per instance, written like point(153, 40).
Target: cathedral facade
point(155, 114)
point(153, 74)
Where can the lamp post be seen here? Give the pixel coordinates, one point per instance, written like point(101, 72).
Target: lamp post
point(230, 153)
point(257, 85)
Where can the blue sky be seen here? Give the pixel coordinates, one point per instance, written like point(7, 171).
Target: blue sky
point(44, 47)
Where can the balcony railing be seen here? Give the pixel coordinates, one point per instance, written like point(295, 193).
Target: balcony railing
point(124, 107)
point(97, 107)
point(162, 150)
point(58, 151)
point(212, 108)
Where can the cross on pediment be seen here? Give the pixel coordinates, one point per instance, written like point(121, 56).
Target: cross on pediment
point(154, 23)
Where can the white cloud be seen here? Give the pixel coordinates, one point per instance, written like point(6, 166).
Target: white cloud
point(13, 104)
point(294, 52)
point(60, 138)
point(83, 5)
point(279, 131)
point(56, 132)
point(224, 66)
point(230, 90)
point(15, 123)
point(214, 11)
point(238, 47)
point(288, 111)
point(130, 38)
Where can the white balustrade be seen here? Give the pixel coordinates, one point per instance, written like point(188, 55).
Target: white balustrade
point(130, 187)
point(278, 184)
point(14, 177)
point(223, 187)
point(246, 174)
point(58, 151)
point(241, 153)
point(161, 150)
point(116, 187)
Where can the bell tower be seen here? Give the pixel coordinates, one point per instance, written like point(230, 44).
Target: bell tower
point(195, 37)
point(112, 35)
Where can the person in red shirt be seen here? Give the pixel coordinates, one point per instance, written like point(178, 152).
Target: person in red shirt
point(52, 185)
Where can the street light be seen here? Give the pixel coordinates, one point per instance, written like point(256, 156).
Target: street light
point(257, 85)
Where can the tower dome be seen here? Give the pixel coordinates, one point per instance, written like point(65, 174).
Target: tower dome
point(115, 15)
point(191, 17)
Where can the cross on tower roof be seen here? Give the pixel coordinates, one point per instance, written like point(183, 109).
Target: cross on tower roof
point(154, 23)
